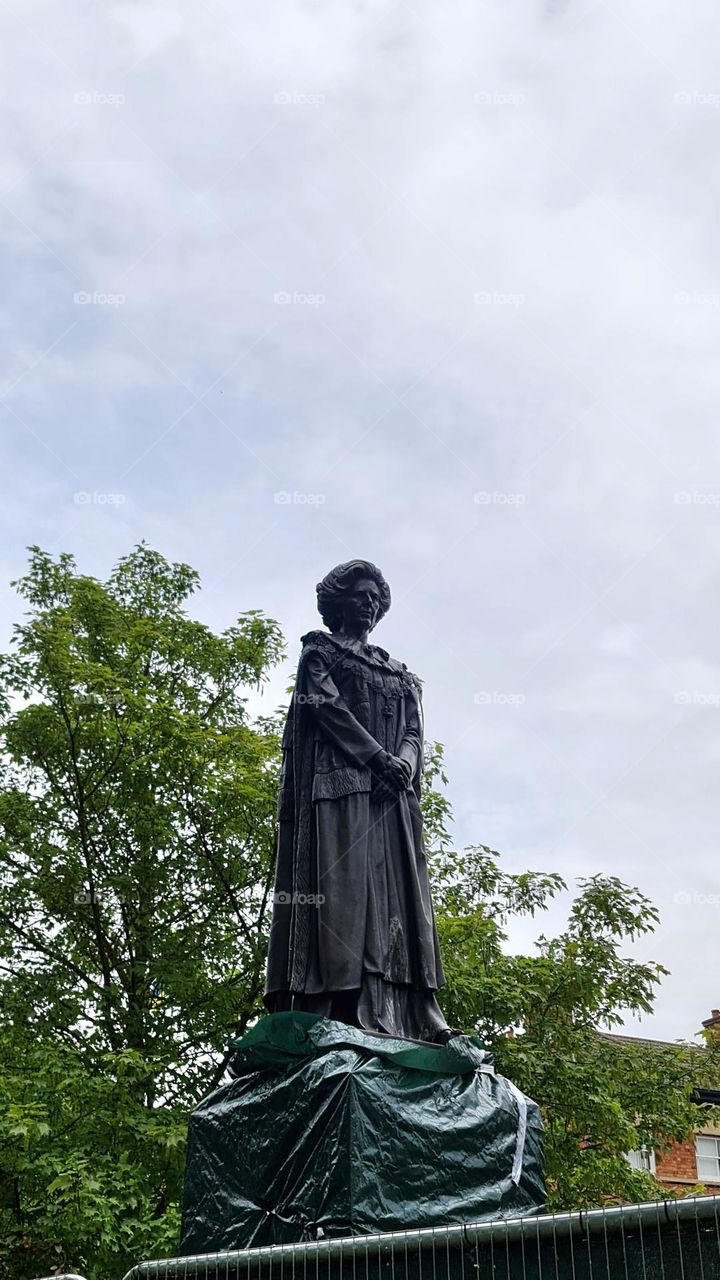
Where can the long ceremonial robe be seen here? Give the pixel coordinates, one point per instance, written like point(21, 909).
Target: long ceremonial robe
point(353, 933)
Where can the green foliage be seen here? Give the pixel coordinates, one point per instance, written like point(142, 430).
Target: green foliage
point(137, 812)
point(90, 1174)
point(541, 1015)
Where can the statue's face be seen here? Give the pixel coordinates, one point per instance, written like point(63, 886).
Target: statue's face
point(361, 607)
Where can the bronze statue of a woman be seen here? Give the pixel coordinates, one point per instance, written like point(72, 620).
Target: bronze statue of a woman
point(353, 933)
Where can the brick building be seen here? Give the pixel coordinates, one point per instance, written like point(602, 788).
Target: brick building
point(696, 1161)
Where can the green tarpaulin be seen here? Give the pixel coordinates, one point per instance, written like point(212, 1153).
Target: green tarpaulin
point(326, 1130)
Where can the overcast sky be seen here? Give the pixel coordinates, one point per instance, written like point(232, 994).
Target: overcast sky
point(433, 285)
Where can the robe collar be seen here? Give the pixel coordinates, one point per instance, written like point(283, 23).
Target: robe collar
point(370, 652)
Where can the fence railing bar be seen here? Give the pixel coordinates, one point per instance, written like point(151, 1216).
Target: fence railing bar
point(582, 1223)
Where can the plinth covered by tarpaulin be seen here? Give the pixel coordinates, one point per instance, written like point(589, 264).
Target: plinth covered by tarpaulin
point(326, 1130)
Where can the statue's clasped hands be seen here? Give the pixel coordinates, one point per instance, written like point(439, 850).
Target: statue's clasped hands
point(392, 776)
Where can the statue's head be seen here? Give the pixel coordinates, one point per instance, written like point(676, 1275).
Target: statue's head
point(353, 597)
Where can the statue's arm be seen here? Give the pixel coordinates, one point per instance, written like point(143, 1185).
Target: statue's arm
point(411, 746)
point(334, 716)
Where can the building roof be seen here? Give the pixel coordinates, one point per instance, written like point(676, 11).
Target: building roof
point(701, 1095)
point(654, 1044)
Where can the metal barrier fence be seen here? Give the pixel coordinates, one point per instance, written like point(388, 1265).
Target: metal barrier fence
point(662, 1240)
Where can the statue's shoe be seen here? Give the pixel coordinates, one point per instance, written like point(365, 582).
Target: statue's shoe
point(447, 1033)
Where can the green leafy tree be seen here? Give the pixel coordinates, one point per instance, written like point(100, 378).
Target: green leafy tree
point(91, 1177)
point(543, 1016)
point(137, 812)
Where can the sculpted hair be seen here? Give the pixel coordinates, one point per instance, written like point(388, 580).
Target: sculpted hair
point(336, 584)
